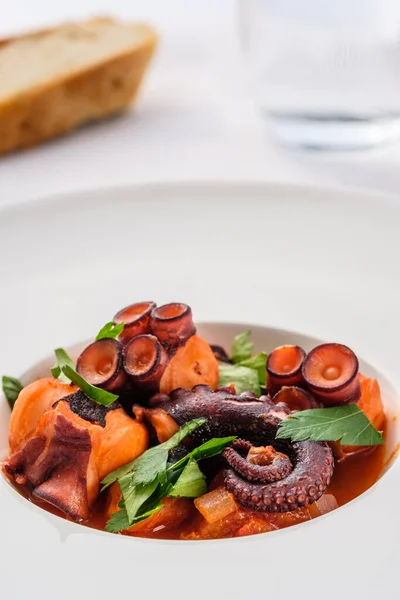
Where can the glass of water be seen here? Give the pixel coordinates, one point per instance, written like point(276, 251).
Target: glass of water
point(325, 73)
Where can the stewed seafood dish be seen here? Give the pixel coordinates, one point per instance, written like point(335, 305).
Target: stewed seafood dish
point(153, 432)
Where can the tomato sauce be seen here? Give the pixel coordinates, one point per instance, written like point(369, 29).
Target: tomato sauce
point(356, 474)
point(180, 520)
point(352, 476)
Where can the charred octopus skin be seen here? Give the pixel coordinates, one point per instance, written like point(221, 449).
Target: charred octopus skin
point(276, 475)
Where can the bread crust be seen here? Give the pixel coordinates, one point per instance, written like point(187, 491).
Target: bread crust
point(49, 111)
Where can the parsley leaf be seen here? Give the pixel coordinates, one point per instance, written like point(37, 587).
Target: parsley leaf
point(259, 363)
point(62, 359)
point(119, 521)
point(209, 449)
point(242, 346)
point(135, 495)
point(153, 461)
point(117, 474)
point(11, 388)
point(65, 371)
point(245, 379)
point(191, 483)
point(149, 465)
point(110, 330)
point(247, 373)
point(145, 481)
point(345, 423)
point(183, 432)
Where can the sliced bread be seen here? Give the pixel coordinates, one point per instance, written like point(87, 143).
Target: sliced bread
point(55, 80)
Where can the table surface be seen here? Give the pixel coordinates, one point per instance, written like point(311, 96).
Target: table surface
point(195, 118)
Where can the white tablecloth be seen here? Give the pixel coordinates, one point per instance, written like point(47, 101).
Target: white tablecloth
point(195, 118)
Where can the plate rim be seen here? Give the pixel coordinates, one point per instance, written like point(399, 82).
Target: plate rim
point(59, 546)
point(163, 186)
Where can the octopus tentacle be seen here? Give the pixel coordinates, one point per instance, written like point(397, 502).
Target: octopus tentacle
point(296, 398)
point(172, 324)
point(100, 364)
point(256, 420)
point(284, 367)
point(145, 361)
point(136, 319)
point(304, 485)
point(331, 374)
point(279, 466)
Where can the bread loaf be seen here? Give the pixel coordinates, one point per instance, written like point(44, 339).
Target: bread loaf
point(55, 80)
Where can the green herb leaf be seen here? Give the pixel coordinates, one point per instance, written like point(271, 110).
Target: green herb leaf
point(11, 388)
point(119, 521)
point(117, 474)
point(62, 359)
point(135, 495)
point(147, 514)
point(248, 373)
point(183, 432)
point(161, 491)
point(259, 363)
point(345, 423)
point(209, 449)
point(148, 466)
point(152, 462)
point(110, 330)
point(145, 481)
point(243, 378)
point(176, 480)
point(212, 447)
point(98, 395)
point(191, 482)
point(242, 346)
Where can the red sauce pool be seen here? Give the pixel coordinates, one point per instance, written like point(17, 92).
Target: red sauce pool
point(352, 476)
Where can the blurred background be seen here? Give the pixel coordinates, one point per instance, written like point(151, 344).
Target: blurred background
point(275, 90)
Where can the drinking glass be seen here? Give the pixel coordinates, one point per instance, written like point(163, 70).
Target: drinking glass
point(325, 73)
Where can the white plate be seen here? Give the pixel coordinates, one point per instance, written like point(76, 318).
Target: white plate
point(324, 262)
